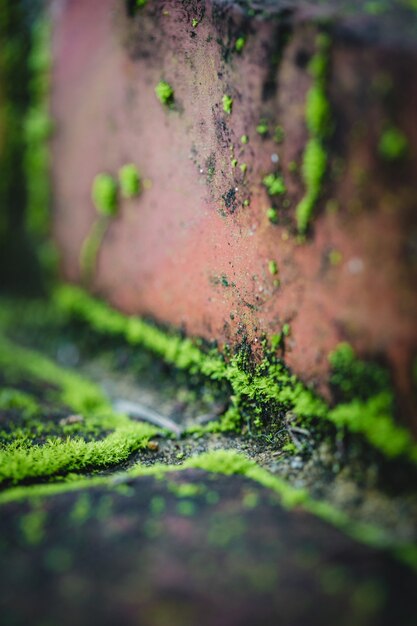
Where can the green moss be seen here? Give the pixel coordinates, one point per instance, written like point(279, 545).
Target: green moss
point(318, 121)
point(313, 170)
point(13, 399)
point(234, 162)
point(243, 168)
point(32, 527)
point(279, 134)
point(244, 139)
point(194, 22)
point(262, 128)
point(20, 460)
point(355, 379)
point(240, 44)
point(82, 509)
point(37, 132)
point(104, 194)
point(272, 215)
point(130, 181)
point(393, 144)
point(226, 462)
point(165, 93)
point(274, 184)
point(227, 102)
point(317, 111)
point(257, 391)
point(272, 267)
point(269, 384)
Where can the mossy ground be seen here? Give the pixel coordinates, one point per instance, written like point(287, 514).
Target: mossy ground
point(189, 548)
point(59, 425)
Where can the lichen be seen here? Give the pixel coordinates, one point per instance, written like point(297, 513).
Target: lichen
point(165, 93)
point(104, 194)
point(227, 102)
point(130, 181)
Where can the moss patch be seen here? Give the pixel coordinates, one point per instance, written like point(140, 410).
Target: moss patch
point(165, 93)
point(227, 102)
point(318, 121)
point(22, 460)
point(393, 144)
point(258, 391)
point(104, 194)
point(130, 180)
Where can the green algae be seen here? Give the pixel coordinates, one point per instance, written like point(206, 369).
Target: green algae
point(227, 102)
point(130, 181)
point(165, 93)
point(318, 121)
point(393, 144)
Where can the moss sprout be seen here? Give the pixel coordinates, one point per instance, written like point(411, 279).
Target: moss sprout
point(272, 267)
point(240, 44)
point(244, 139)
point(130, 180)
point(393, 144)
point(104, 194)
point(272, 215)
point(262, 128)
point(275, 184)
point(243, 168)
point(227, 102)
point(165, 93)
point(279, 134)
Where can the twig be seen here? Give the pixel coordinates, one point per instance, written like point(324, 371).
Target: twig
point(145, 414)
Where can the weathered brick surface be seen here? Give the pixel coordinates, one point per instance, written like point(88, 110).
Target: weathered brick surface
point(188, 251)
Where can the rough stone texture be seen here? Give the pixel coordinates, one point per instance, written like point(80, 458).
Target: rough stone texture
point(187, 251)
point(191, 548)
